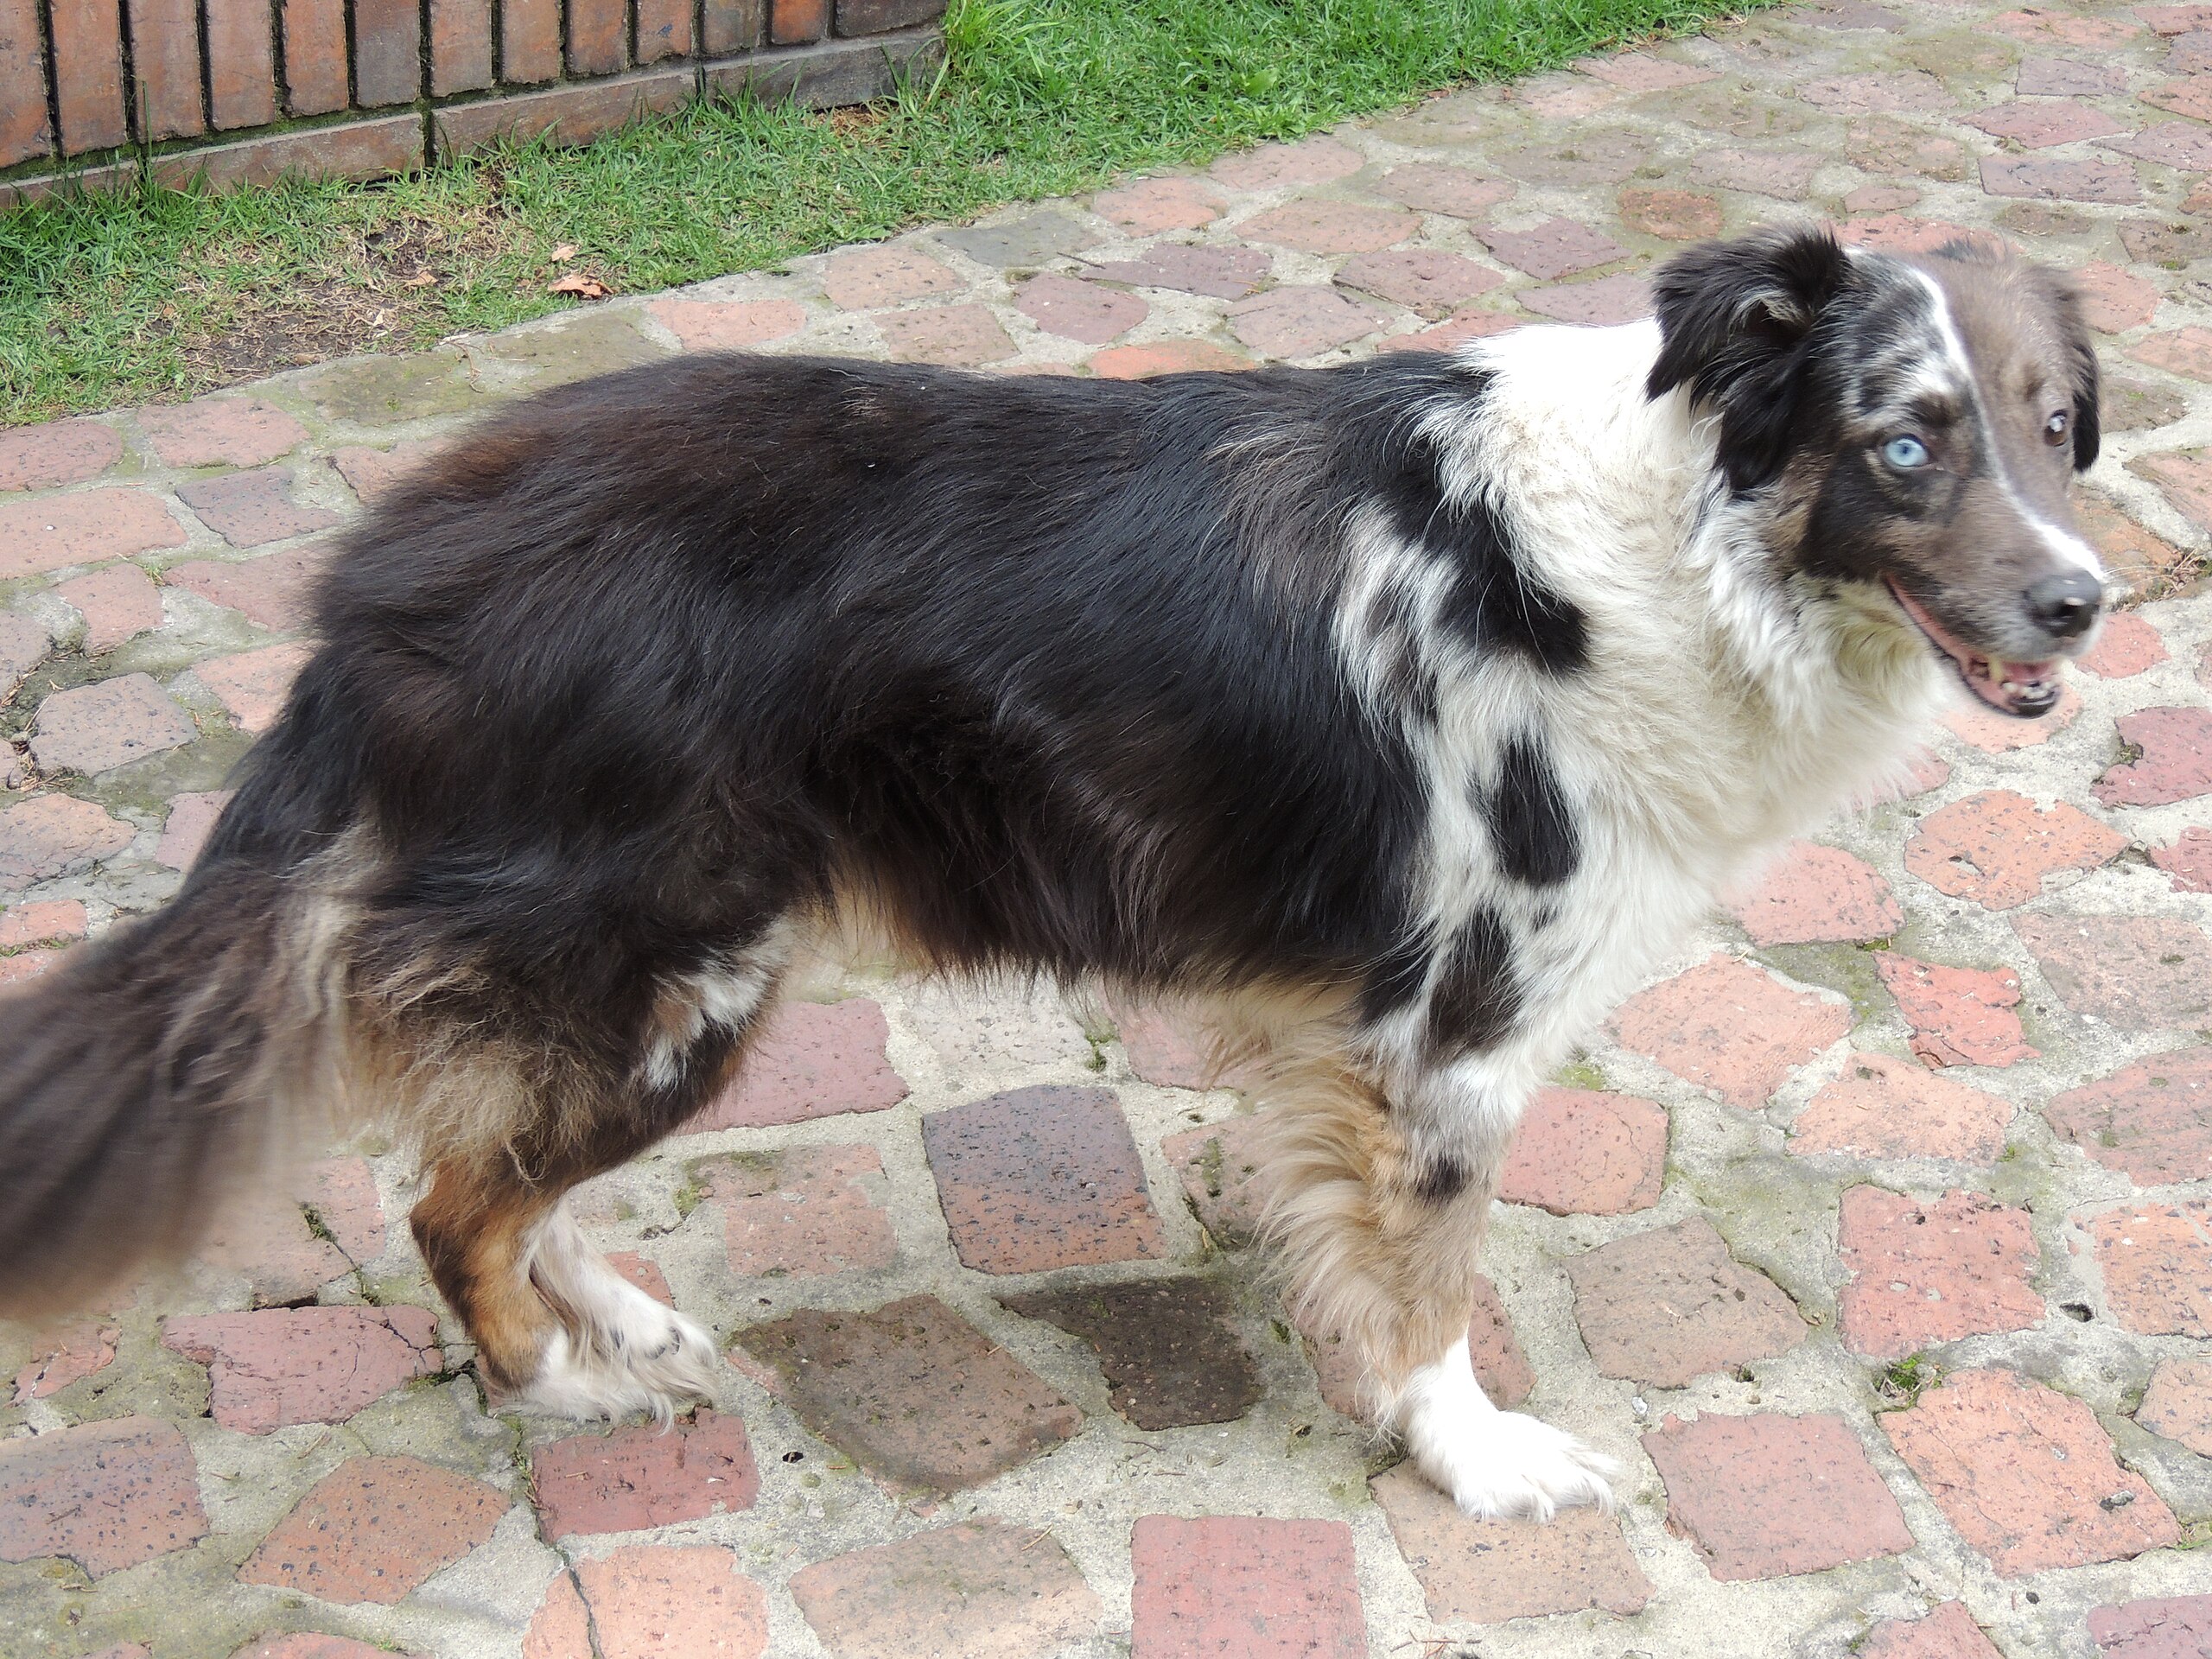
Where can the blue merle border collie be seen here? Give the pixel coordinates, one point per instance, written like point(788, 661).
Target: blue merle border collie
point(1405, 714)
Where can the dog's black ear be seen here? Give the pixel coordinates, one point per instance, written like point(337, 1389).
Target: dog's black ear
point(1733, 319)
point(2081, 367)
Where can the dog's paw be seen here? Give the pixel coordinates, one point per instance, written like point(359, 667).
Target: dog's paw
point(626, 1353)
point(1500, 1465)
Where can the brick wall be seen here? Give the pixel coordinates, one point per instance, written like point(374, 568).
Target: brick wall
point(245, 91)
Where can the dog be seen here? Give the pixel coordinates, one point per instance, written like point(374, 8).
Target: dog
point(1403, 713)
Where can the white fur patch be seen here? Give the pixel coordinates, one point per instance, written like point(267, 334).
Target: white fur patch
point(618, 1350)
point(1494, 1465)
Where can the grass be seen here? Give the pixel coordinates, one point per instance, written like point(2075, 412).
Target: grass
point(151, 294)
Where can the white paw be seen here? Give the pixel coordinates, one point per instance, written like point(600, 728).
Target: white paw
point(618, 1351)
point(1495, 1465)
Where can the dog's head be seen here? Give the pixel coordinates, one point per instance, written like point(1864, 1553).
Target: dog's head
point(1909, 427)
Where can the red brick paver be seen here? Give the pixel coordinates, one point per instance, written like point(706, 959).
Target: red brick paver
point(809, 1060)
point(810, 1209)
point(2178, 1403)
point(1949, 1632)
point(1669, 1305)
point(375, 1528)
point(1487, 1572)
point(1729, 1028)
point(2168, 1627)
point(2153, 1119)
point(651, 1602)
point(1223, 1586)
point(1958, 1016)
point(1927, 1273)
point(640, 1477)
point(278, 1366)
point(1586, 1151)
point(2139, 973)
point(1766, 1496)
point(1886, 1107)
point(983, 1590)
point(1998, 849)
point(106, 1494)
point(1814, 893)
point(2024, 1472)
point(2157, 1261)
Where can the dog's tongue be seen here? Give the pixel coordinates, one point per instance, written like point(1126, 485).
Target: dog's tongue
point(2021, 689)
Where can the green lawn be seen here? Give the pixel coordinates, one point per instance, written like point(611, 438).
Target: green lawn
point(154, 294)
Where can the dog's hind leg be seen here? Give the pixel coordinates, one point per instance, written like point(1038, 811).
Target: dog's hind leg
point(557, 1329)
point(1379, 1206)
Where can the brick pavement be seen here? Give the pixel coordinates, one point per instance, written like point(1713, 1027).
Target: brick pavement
point(1874, 1237)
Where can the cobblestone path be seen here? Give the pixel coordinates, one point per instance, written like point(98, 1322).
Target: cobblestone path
point(1874, 1238)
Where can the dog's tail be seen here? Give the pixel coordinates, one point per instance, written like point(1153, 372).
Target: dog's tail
point(146, 1074)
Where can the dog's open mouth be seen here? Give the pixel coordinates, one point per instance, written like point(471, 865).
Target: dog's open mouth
point(2023, 690)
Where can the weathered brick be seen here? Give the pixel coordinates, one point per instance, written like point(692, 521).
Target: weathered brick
point(388, 52)
point(2174, 763)
point(281, 1258)
point(117, 603)
point(342, 1192)
point(1816, 893)
point(460, 46)
point(645, 1477)
point(530, 40)
point(2190, 96)
point(2156, 1262)
point(809, 1060)
point(1169, 357)
point(1488, 1572)
point(1670, 1305)
point(1976, 723)
point(87, 528)
point(2168, 144)
point(1598, 304)
point(567, 115)
point(253, 685)
point(1316, 159)
point(1555, 248)
point(2060, 181)
point(2047, 24)
point(23, 645)
point(2040, 123)
point(911, 1392)
point(1041, 1178)
point(2153, 1119)
point(165, 61)
point(95, 728)
point(1958, 1016)
point(54, 834)
point(1168, 1048)
point(2178, 1403)
point(1999, 847)
point(1299, 320)
point(315, 56)
point(1887, 1107)
point(2169, 1627)
point(1584, 1152)
point(231, 431)
point(1216, 1164)
point(795, 22)
point(241, 62)
point(1881, 91)
point(662, 1602)
point(2184, 477)
point(357, 149)
point(881, 16)
point(43, 923)
point(644, 1273)
point(67, 1357)
point(88, 76)
point(1439, 188)
point(1077, 310)
point(1640, 72)
point(1767, 1495)
point(373, 1528)
point(981, 1590)
point(1166, 1346)
point(248, 509)
point(2188, 861)
point(1730, 1028)
point(192, 818)
point(2024, 1472)
point(272, 592)
point(282, 1365)
point(1923, 1274)
point(2141, 973)
point(959, 336)
point(1884, 146)
point(1785, 175)
point(61, 452)
point(1330, 228)
point(1150, 205)
point(561, 1628)
point(805, 1210)
point(371, 473)
point(1673, 215)
point(2113, 301)
point(22, 85)
point(728, 324)
point(664, 29)
point(106, 1494)
point(2125, 646)
point(860, 278)
point(1949, 1632)
point(1880, 198)
point(1222, 1584)
point(1426, 280)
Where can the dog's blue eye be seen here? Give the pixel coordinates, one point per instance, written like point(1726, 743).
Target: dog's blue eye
point(1905, 454)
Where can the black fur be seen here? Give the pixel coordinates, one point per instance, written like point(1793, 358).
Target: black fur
point(1530, 819)
point(1478, 996)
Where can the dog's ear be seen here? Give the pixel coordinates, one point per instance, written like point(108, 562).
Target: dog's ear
point(1733, 320)
point(2081, 365)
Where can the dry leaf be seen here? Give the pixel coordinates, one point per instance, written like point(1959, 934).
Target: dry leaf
point(566, 251)
point(420, 279)
point(583, 287)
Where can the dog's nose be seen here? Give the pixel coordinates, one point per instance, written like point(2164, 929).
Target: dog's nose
point(2065, 606)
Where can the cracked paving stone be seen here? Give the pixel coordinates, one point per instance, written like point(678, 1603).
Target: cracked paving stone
point(981, 1590)
point(648, 1476)
point(2152, 1120)
point(1670, 1305)
point(282, 1365)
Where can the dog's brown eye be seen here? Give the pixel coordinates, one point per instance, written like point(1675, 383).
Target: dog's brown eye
point(2054, 430)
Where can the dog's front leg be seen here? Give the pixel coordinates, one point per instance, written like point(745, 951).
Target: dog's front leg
point(1379, 1198)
